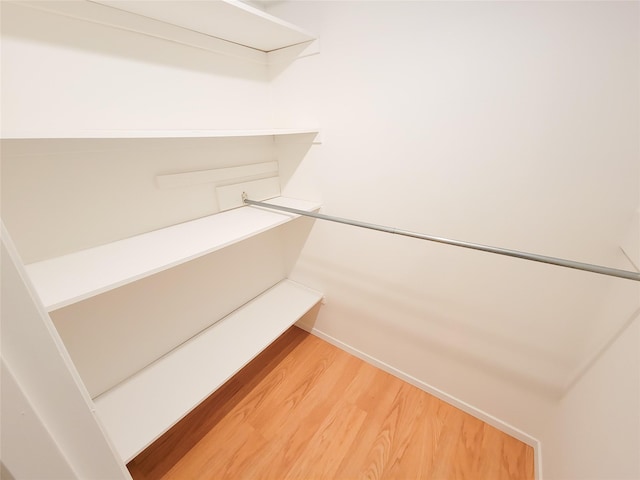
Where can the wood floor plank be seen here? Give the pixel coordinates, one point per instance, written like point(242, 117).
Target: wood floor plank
point(418, 458)
point(307, 375)
point(306, 410)
point(332, 441)
point(468, 448)
point(226, 459)
point(507, 456)
point(410, 407)
point(447, 424)
point(368, 456)
point(289, 438)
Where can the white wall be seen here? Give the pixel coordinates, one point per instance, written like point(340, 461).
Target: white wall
point(24, 433)
point(60, 431)
point(510, 123)
point(595, 430)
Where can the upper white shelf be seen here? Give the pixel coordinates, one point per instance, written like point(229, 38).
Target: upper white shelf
point(226, 26)
point(68, 279)
point(229, 20)
point(142, 134)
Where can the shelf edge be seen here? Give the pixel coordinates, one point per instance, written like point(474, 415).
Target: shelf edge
point(40, 277)
point(153, 134)
point(112, 15)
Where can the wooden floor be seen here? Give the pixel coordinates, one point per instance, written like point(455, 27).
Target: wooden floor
point(306, 410)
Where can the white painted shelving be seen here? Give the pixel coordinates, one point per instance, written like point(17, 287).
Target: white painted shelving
point(229, 27)
point(68, 279)
point(142, 134)
point(140, 409)
point(230, 20)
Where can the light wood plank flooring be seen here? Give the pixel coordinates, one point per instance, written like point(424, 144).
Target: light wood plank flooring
point(305, 409)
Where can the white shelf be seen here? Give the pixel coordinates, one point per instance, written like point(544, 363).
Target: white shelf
point(143, 407)
point(230, 27)
point(65, 280)
point(229, 20)
point(142, 134)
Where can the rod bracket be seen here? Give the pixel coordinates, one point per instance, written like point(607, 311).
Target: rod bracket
point(244, 197)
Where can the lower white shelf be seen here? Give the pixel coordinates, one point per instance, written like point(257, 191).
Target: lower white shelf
point(140, 409)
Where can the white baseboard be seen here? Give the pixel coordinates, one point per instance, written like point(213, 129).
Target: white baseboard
point(445, 397)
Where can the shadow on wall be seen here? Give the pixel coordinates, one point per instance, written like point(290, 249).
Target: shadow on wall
point(593, 359)
point(523, 322)
point(425, 325)
point(292, 153)
point(5, 474)
point(520, 321)
point(280, 59)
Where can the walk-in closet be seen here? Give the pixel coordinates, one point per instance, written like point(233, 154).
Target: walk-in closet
point(320, 239)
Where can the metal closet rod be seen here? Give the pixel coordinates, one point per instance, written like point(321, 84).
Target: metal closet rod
point(587, 267)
